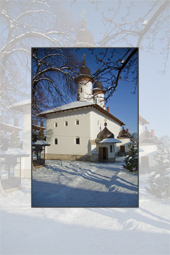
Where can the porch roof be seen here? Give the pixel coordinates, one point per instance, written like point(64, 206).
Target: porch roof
point(110, 140)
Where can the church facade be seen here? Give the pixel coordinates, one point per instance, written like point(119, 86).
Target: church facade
point(84, 130)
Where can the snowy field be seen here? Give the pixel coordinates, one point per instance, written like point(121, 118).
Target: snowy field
point(84, 184)
point(107, 231)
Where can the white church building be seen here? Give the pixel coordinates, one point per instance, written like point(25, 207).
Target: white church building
point(84, 130)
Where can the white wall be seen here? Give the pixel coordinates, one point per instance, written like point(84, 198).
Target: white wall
point(86, 94)
point(97, 120)
point(66, 135)
point(99, 99)
point(125, 142)
point(111, 155)
point(90, 124)
point(149, 151)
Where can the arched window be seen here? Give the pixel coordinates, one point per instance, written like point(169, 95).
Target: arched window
point(77, 140)
point(77, 122)
point(55, 141)
point(66, 123)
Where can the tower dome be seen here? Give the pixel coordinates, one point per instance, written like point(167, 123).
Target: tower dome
point(84, 69)
point(98, 84)
point(84, 74)
point(105, 133)
point(84, 37)
point(84, 81)
point(98, 93)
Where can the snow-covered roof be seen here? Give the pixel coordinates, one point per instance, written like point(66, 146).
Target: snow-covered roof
point(142, 120)
point(110, 140)
point(8, 127)
point(17, 152)
point(42, 143)
point(69, 106)
point(36, 127)
point(19, 105)
point(80, 104)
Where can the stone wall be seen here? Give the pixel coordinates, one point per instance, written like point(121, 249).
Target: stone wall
point(69, 157)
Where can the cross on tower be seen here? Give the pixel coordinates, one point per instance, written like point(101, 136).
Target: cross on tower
point(84, 56)
point(83, 14)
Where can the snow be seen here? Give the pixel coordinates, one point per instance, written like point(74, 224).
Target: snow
point(21, 103)
point(110, 140)
point(40, 142)
point(68, 106)
point(84, 184)
point(13, 152)
point(47, 231)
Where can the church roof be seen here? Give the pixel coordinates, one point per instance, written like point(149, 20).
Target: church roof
point(106, 136)
point(105, 133)
point(98, 84)
point(147, 138)
point(40, 143)
point(84, 72)
point(8, 127)
point(124, 134)
point(84, 37)
point(110, 140)
point(19, 106)
point(15, 152)
point(78, 105)
point(142, 120)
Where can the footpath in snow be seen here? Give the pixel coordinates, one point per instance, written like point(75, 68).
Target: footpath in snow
point(105, 231)
point(84, 184)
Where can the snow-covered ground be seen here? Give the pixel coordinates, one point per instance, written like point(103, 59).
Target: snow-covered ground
point(84, 184)
point(33, 231)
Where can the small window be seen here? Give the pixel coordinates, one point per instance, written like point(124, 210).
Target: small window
point(77, 140)
point(110, 148)
point(56, 141)
point(66, 123)
point(77, 122)
point(81, 90)
point(55, 124)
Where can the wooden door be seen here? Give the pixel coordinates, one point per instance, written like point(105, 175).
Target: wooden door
point(122, 148)
point(100, 153)
point(103, 153)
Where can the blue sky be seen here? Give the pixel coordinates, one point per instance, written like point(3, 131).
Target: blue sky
point(122, 104)
point(154, 93)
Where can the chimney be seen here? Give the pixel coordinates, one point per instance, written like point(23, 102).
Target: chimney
point(153, 132)
point(127, 131)
point(107, 109)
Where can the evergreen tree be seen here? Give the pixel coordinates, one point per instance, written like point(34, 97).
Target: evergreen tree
point(131, 161)
point(41, 132)
point(159, 180)
point(14, 138)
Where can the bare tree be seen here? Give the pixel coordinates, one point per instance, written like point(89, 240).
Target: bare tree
point(26, 24)
point(115, 65)
point(146, 30)
point(53, 72)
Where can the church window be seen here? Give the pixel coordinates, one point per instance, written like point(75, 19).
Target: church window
point(77, 122)
point(111, 148)
point(77, 140)
point(55, 124)
point(55, 141)
point(81, 90)
point(66, 123)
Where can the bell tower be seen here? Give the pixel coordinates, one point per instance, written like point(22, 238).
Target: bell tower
point(84, 80)
point(98, 93)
